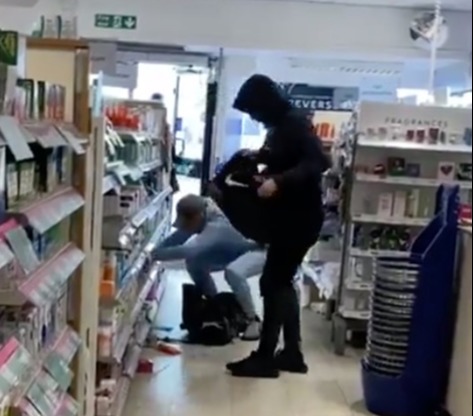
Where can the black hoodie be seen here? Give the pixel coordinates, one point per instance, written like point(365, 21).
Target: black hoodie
point(292, 152)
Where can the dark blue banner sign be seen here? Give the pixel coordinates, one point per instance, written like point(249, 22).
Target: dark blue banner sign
point(310, 99)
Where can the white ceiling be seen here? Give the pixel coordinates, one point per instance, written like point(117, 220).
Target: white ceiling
point(414, 4)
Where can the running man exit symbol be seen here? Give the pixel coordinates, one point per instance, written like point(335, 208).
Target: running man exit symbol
point(115, 21)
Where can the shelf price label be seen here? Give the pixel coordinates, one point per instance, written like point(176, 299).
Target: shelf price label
point(68, 345)
point(40, 399)
point(59, 370)
point(23, 249)
point(15, 137)
point(45, 133)
point(16, 364)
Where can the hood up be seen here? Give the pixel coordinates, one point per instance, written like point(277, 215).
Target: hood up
point(262, 99)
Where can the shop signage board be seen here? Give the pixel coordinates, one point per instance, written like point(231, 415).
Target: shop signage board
point(310, 98)
point(115, 21)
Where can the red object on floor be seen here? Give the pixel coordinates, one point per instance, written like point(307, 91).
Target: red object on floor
point(169, 349)
point(145, 367)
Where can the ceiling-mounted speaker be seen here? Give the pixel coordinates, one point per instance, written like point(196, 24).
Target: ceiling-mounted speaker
point(424, 30)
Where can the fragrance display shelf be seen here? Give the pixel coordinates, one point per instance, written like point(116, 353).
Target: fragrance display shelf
point(392, 159)
point(410, 181)
point(356, 252)
point(413, 146)
point(377, 219)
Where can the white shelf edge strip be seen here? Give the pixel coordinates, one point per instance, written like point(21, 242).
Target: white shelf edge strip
point(410, 181)
point(374, 219)
point(406, 145)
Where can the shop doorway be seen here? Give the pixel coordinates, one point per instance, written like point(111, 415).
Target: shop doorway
point(184, 92)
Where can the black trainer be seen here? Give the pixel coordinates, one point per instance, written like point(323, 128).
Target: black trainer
point(290, 362)
point(254, 366)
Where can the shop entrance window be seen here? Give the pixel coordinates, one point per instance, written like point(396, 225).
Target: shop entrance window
point(184, 92)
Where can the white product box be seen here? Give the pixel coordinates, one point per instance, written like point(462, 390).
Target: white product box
point(400, 203)
point(385, 205)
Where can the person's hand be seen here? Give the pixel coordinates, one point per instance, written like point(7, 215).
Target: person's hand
point(267, 189)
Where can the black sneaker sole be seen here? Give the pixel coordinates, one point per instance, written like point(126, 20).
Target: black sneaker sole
point(262, 374)
point(294, 370)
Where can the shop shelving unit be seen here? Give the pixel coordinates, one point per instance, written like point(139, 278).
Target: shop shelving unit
point(45, 252)
point(133, 203)
point(395, 158)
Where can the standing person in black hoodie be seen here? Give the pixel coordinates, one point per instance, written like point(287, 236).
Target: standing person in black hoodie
point(291, 183)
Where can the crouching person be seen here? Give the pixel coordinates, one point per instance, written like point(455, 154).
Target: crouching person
point(214, 246)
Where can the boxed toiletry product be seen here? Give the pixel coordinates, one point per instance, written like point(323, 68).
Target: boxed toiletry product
point(385, 205)
point(12, 184)
point(464, 172)
point(413, 170)
point(413, 203)
point(399, 206)
point(28, 86)
point(42, 88)
point(8, 268)
point(396, 166)
point(26, 179)
point(446, 171)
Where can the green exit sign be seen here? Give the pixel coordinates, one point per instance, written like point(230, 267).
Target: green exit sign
point(115, 21)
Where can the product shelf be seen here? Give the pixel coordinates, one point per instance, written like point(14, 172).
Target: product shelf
point(127, 329)
point(393, 158)
point(356, 252)
point(45, 263)
point(119, 398)
point(109, 183)
point(49, 211)
point(150, 209)
point(45, 284)
point(138, 265)
point(135, 203)
point(52, 360)
point(132, 362)
point(411, 181)
point(413, 146)
point(376, 219)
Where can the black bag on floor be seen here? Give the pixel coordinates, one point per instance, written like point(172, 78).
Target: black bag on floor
point(213, 322)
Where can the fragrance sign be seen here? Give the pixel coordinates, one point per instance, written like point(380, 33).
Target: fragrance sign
point(310, 99)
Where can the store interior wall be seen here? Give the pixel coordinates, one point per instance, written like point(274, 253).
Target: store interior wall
point(308, 26)
point(313, 32)
point(374, 78)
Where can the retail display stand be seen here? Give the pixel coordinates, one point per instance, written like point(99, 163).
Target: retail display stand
point(405, 369)
point(395, 157)
point(45, 324)
point(132, 211)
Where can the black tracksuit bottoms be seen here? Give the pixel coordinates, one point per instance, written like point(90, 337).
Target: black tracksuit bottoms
point(280, 300)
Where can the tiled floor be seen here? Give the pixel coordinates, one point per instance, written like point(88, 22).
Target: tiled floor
point(195, 384)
